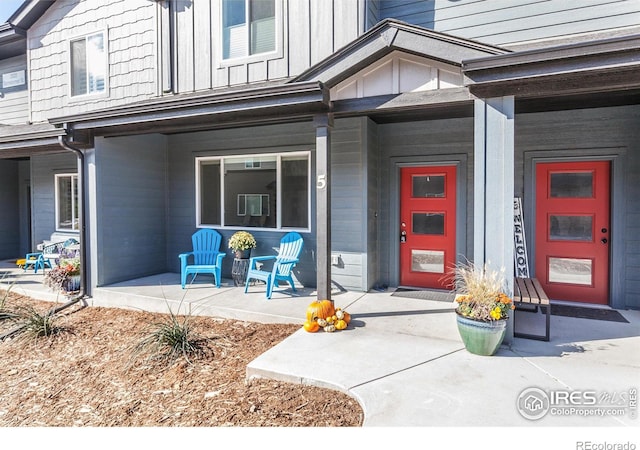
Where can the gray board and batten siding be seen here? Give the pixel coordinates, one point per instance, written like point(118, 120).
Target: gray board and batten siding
point(508, 22)
point(314, 30)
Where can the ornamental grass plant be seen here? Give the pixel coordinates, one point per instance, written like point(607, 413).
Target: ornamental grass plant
point(481, 293)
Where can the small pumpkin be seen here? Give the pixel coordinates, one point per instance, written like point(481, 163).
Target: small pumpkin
point(340, 324)
point(321, 322)
point(330, 328)
point(320, 309)
point(311, 326)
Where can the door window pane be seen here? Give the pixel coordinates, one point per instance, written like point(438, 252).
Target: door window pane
point(428, 186)
point(431, 261)
point(571, 228)
point(571, 271)
point(428, 223)
point(571, 185)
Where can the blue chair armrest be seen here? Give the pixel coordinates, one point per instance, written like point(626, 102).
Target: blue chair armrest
point(219, 258)
point(32, 255)
point(253, 260)
point(184, 256)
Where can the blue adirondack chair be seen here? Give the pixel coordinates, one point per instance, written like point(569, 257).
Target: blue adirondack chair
point(283, 264)
point(206, 256)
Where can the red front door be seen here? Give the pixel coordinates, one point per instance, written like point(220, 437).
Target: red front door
point(427, 226)
point(572, 230)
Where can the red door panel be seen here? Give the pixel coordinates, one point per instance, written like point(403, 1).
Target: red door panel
point(572, 230)
point(427, 225)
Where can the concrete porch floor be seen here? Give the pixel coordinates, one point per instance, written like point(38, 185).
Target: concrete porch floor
point(402, 357)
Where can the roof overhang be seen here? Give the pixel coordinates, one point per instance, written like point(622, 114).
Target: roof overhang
point(585, 68)
point(201, 111)
point(393, 35)
point(17, 141)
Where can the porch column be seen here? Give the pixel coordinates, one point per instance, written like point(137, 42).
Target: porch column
point(494, 187)
point(323, 124)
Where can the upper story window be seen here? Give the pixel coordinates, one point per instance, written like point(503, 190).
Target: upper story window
point(67, 202)
point(249, 27)
point(88, 64)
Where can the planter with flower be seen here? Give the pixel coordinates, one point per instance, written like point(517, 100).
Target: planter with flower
point(241, 242)
point(483, 308)
point(64, 277)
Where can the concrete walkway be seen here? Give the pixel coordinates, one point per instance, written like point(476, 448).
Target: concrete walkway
point(403, 360)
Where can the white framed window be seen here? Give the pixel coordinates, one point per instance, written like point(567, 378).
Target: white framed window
point(249, 27)
point(271, 192)
point(66, 202)
point(88, 63)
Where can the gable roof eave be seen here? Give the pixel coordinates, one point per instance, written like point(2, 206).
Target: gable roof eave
point(393, 35)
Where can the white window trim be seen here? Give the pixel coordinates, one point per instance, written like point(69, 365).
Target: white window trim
point(57, 201)
point(88, 96)
point(275, 54)
point(279, 156)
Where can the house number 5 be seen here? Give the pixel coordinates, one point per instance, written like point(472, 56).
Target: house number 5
point(322, 182)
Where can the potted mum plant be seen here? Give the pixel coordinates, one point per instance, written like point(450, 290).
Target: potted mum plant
point(241, 243)
point(65, 276)
point(483, 307)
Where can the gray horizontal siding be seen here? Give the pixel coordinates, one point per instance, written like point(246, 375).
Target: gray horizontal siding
point(14, 101)
point(131, 207)
point(507, 22)
point(601, 132)
point(43, 171)
point(9, 219)
point(348, 194)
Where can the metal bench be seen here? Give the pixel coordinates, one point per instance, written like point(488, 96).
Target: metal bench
point(528, 295)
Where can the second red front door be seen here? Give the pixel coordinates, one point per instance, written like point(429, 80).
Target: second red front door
point(427, 226)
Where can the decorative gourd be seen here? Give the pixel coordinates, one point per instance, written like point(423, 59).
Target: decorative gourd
point(340, 324)
point(311, 326)
point(322, 322)
point(320, 309)
point(343, 315)
point(330, 328)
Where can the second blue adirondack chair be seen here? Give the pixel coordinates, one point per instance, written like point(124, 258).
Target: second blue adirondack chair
point(206, 256)
point(283, 264)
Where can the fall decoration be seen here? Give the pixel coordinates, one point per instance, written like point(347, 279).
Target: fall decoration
point(321, 314)
point(320, 309)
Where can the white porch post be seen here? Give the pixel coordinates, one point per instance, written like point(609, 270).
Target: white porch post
point(323, 124)
point(494, 187)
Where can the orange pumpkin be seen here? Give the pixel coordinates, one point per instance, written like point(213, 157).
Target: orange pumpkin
point(320, 309)
point(311, 326)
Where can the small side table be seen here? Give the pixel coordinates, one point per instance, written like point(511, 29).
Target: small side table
point(239, 271)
